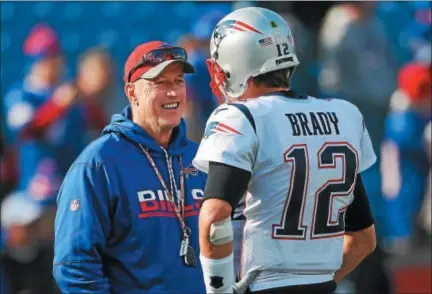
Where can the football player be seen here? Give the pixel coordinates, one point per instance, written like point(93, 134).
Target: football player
point(297, 159)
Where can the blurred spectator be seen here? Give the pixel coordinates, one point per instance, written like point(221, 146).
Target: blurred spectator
point(42, 125)
point(201, 101)
point(96, 88)
point(44, 128)
point(407, 25)
point(404, 166)
point(8, 168)
point(27, 263)
point(357, 63)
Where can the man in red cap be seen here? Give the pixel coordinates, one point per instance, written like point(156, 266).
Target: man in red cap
point(127, 217)
point(405, 164)
point(147, 91)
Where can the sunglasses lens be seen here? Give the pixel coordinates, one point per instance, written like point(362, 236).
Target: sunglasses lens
point(178, 53)
point(157, 56)
point(160, 55)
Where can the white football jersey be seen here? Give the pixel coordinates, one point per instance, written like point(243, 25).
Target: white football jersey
point(304, 154)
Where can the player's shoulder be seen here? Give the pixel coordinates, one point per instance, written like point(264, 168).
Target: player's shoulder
point(227, 110)
point(247, 110)
point(340, 105)
point(236, 113)
point(232, 118)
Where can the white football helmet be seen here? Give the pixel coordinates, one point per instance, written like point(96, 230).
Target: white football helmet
point(246, 43)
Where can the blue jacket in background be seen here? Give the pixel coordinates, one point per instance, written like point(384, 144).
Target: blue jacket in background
point(405, 130)
point(114, 229)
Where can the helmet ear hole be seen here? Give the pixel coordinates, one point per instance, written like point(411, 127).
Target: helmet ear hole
point(228, 75)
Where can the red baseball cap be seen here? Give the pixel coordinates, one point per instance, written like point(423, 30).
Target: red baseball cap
point(415, 81)
point(42, 41)
point(150, 71)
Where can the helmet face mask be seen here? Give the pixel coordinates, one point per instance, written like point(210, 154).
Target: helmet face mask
point(246, 43)
point(218, 78)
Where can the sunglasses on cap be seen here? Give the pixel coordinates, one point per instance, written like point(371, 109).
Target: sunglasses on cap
point(159, 55)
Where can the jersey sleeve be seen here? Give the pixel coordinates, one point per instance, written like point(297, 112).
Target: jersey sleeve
point(367, 153)
point(229, 138)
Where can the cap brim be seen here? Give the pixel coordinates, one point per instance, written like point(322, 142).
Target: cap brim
point(158, 69)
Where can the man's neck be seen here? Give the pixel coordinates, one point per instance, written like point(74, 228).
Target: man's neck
point(161, 136)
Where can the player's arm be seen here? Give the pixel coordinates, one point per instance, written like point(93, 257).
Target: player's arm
point(225, 187)
point(81, 228)
point(360, 239)
point(227, 153)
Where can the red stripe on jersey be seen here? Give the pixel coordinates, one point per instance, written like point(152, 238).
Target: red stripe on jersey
point(221, 125)
point(221, 130)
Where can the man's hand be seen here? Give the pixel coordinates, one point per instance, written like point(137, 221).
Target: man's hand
point(357, 245)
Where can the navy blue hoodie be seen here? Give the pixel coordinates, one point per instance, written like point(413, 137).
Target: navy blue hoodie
point(115, 231)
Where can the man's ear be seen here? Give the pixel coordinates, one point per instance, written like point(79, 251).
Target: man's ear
point(129, 90)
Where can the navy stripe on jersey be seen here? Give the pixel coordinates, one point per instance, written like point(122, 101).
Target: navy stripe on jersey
point(243, 108)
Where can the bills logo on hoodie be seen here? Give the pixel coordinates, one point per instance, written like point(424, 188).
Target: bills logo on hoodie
point(190, 171)
point(157, 204)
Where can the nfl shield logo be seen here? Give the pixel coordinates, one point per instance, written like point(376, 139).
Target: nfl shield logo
point(75, 204)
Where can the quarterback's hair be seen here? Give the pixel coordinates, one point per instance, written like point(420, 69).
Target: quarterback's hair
point(275, 79)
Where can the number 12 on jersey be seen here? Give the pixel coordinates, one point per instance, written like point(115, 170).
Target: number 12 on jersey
point(292, 226)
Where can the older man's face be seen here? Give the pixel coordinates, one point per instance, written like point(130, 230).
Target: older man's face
point(163, 99)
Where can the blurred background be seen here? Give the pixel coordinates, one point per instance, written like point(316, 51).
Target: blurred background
point(61, 80)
